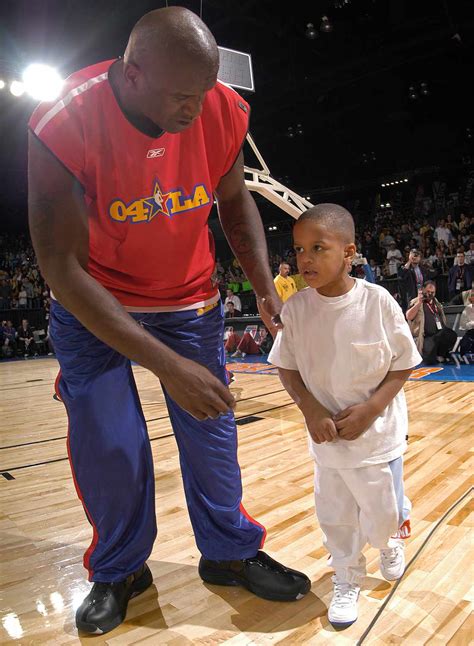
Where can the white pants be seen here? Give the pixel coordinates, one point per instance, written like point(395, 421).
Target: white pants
point(359, 506)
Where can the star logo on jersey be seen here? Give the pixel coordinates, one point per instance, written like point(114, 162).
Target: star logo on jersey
point(157, 203)
point(169, 203)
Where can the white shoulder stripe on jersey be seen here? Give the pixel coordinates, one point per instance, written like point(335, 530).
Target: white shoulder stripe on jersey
point(67, 99)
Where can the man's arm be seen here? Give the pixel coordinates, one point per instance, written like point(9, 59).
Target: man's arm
point(243, 228)
point(59, 231)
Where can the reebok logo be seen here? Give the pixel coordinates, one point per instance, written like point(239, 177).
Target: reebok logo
point(155, 152)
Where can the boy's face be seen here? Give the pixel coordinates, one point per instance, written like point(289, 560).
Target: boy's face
point(323, 257)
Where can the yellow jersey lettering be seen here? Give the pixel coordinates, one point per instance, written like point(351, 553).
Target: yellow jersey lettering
point(118, 211)
point(200, 196)
point(137, 211)
point(175, 204)
point(145, 209)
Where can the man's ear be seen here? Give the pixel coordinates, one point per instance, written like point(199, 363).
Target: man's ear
point(131, 72)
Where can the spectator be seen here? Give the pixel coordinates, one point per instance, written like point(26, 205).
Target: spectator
point(412, 277)
point(299, 282)
point(37, 291)
point(230, 313)
point(376, 271)
point(469, 255)
point(236, 302)
point(405, 235)
point(26, 340)
point(451, 224)
point(466, 324)
point(451, 253)
point(463, 223)
point(4, 294)
point(285, 285)
point(30, 294)
point(261, 343)
point(442, 232)
point(394, 258)
point(360, 268)
point(426, 229)
point(427, 321)
point(9, 345)
point(369, 247)
point(22, 299)
point(386, 239)
point(464, 297)
point(439, 264)
point(459, 277)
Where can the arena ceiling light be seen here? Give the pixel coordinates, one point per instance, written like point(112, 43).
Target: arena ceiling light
point(17, 88)
point(42, 82)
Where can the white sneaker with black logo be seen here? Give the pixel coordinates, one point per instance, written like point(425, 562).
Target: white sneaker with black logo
point(392, 561)
point(343, 607)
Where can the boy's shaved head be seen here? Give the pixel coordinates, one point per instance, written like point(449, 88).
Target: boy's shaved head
point(334, 217)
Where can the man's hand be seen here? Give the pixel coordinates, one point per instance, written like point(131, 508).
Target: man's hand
point(269, 308)
point(420, 296)
point(354, 420)
point(196, 390)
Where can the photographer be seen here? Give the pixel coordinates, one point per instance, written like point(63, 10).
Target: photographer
point(360, 261)
point(427, 321)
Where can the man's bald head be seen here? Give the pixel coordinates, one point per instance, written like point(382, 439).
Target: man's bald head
point(174, 34)
point(170, 64)
point(333, 217)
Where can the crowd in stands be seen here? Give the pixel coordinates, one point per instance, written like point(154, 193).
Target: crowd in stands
point(410, 259)
point(445, 249)
point(22, 289)
point(21, 284)
point(398, 250)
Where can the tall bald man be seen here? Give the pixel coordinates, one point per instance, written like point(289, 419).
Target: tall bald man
point(123, 171)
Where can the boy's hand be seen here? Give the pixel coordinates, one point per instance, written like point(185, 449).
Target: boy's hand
point(320, 424)
point(354, 420)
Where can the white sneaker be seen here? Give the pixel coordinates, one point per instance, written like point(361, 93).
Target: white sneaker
point(343, 608)
point(392, 561)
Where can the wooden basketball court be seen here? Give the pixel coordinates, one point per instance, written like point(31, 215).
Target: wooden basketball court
point(44, 531)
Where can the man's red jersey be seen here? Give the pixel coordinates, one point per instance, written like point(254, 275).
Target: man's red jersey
point(148, 199)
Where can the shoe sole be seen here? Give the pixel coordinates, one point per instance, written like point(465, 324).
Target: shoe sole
point(341, 626)
point(223, 579)
point(139, 586)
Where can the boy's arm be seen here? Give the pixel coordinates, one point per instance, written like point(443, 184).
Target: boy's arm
point(356, 419)
point(319, 420)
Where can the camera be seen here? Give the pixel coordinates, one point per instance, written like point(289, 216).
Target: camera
point(357, 260)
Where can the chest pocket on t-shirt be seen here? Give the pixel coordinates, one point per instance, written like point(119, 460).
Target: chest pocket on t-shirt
point(370, 360)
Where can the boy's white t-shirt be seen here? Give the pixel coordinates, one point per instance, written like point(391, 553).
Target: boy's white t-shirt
point(343, 348)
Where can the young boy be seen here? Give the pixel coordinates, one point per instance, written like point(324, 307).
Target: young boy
point(343, 355)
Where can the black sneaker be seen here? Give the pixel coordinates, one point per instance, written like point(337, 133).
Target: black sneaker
point(105, 606)
point(260, 574)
